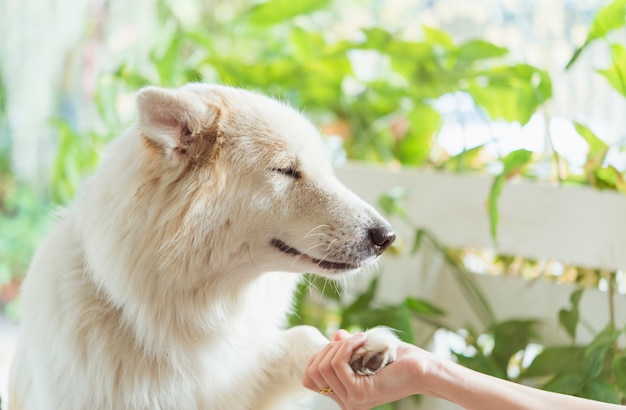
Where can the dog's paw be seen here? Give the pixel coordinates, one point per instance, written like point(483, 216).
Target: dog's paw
point(379, 350)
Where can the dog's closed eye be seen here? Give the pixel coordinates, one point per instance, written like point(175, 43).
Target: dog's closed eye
point(289, 171)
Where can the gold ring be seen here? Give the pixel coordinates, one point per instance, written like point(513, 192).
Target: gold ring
point(326, 390)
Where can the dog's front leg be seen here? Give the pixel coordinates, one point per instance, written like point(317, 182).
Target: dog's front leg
point(285, 366)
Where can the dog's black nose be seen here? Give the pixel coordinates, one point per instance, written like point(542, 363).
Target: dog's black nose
point(381, 237)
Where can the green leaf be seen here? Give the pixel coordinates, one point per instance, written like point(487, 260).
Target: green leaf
point(566, 384)
point(619, 370)
point(391, 201)
point(512, 93)
point(596, 352)
point(168, 63)
point(439, 37)
point(610, 17)
point(410, 50)
point(512, 163)
point(576, 296)
point(515, 160)
point(424, 121)
point(400, 320)
point(569, 318)
point(474, 50)
point(500, 102)
point(601, 390)
point(277, 11)
point(361, 303)
point(509, 338)
point(597, 149)
point(616, 73)
point(610, 178)
point(423, 307)
point(557, 361)
point(376, 38)
point(395, 317)
point(307, 45)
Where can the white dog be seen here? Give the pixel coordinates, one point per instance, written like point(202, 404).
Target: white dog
point(161, 287)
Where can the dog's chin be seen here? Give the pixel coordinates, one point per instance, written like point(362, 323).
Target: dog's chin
point(322, 266)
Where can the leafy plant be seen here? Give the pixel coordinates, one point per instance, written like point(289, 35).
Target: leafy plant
point(595, 371)
point(376, 92)
point(608, 19)
point(597, 173)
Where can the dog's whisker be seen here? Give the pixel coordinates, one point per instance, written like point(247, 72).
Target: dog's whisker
point(310, 248)
point(316, 228)
point(298, 242)
point(323, 290)
point(310, 284)
point(330, 244)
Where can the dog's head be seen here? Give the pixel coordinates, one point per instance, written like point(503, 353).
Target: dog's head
point(246, 180)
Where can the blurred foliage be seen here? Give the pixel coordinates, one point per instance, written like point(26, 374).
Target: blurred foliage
point(77, 156)
point(607, 20)
point(23, 220)
point(376, 92)
point(597, 172)
point(595, 371)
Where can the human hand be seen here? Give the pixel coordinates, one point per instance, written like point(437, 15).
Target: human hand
point(330, 369)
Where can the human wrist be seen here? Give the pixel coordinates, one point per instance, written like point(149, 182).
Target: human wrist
point(418, 371)
point(432, 373)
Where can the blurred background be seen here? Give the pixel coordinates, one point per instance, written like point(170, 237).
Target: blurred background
point(530, 87)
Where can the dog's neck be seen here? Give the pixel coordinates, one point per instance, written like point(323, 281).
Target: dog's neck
point(163, 315)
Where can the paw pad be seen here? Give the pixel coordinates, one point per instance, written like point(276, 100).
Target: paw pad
point(378, 351)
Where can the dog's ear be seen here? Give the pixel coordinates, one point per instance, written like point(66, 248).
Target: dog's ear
point(169, 117)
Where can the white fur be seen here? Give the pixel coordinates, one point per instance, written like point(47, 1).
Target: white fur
point(162, 285)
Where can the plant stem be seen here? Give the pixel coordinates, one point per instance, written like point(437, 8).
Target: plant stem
point(612, 282)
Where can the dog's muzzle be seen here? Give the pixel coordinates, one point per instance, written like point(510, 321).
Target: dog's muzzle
point(378, 239)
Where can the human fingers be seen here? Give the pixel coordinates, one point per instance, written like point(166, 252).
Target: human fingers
point(329, 383)
point(337, 361)
point(315, 381)
point(341, 334)
point(320, 373)
point(313, 378)
point(339, 354)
